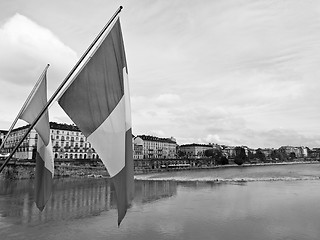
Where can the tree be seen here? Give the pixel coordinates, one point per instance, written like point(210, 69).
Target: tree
point(209, 152)
point(283, 156)
point(223, 160)
point(251, 156)
point(241, 156)
point(217, 154)
point(292, 155)
point(274, 155)
point(260, 155)
point(279, 155)
point(214, 154)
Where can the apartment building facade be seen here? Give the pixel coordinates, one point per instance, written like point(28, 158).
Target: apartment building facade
point(151, 147)
point(67, 142)
point(194, 150)
point(298, 151)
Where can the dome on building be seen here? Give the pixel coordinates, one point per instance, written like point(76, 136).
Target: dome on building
point(138, 141)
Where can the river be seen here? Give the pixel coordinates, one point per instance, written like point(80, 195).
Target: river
point(258, 203)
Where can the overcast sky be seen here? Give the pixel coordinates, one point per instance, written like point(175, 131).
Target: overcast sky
point(234, 72)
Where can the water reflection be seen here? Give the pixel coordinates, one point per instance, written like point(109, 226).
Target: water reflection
point(164, 210)
point(72, 199)
point(149, 191)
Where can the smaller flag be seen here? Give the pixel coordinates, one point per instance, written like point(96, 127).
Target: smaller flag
point(44, 157)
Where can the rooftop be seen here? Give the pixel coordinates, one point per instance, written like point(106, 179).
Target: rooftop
point(155, 139)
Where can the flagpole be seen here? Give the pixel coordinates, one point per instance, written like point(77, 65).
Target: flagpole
point(24, 106)
point(61, 86)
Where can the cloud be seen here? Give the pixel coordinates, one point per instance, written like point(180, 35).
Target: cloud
point(168, 98)
point(273, 138)
point(283, 137)
point(26, 48)
point(225, 71)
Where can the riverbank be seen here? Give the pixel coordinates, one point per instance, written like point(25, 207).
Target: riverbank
point(26, 171)
point(289, 171)
point(18, 172)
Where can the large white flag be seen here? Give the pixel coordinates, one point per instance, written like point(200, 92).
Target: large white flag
point(98, 102)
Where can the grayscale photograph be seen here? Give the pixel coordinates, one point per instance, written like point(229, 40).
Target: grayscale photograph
point(160, 120)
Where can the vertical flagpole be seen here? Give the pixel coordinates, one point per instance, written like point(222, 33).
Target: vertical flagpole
point(61, 86)
point(24, 106)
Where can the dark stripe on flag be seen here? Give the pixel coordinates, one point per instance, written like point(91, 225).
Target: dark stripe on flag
point(98, 88)
point(43, 183)
point(124, 181)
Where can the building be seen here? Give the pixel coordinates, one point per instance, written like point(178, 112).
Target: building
point(137, 148)
point(3, 134)
point(314, 153)
point(298, 151)
point(194, 150)
point(150, 147)
point(67, 143)
point(304, 151)
point(267, 151)
point(229, 151)
point(27, 149)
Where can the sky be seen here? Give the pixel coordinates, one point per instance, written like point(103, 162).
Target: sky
point(232, 72)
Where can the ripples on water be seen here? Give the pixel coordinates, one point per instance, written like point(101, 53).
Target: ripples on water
point(242, 173)
point(86, 208)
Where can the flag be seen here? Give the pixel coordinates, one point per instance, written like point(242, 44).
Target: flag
point(44, 157)
point(98, 102)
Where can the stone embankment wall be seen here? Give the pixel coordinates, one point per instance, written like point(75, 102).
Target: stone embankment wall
point(28, 171)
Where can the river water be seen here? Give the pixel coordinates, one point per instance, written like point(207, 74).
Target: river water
point(273, 202)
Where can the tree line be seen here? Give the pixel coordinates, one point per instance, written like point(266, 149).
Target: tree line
point(241, 156)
